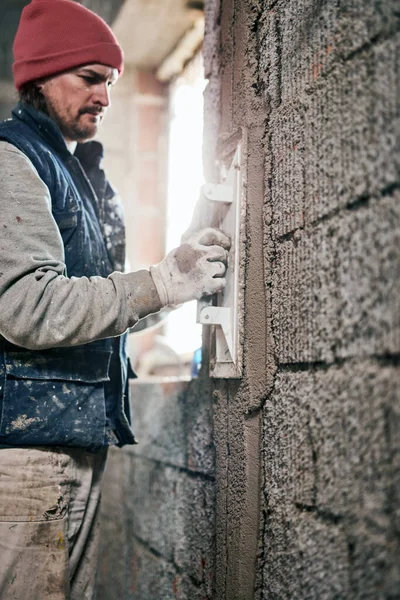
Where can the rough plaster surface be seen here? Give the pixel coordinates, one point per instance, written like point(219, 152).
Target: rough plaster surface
point(334, 286)
point(316, 85)
point(330, 452)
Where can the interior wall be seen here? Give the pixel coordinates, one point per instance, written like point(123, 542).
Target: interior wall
point(308, 443)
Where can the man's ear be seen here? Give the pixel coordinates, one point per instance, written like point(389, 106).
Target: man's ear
point(40, 83)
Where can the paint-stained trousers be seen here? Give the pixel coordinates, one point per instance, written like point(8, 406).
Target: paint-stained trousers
point(49, 523)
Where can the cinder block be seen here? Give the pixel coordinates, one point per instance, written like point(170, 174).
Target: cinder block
point(287, 169)
point(112, 567)
point(369, 126)
point(195, 535)
point(150, 577)
point(152, 505)
point(304, 305)
point(186, 590)
point(392, 432)
point(173, 423)
point(384, 92)
point(342, 425)
point(367, 258)
point(323, 148)
point(351, 408)
point(158, 413)
point(338, 143)
point(352, 131)
point(331, 442)
point(335, 287)
point(299, 42)
point(173, 514)
point(374, 562)
point(307, 39)
point(306, 558)
point(198, 406)
point(289, 474)
point(361, 21)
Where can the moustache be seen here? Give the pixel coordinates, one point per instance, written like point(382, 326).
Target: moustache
point(92, 111)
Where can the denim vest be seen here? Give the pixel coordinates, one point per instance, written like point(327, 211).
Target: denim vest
point(75, 396)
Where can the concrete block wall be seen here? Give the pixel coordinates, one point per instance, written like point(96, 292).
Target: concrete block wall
point(158, 534)
point(307, 443)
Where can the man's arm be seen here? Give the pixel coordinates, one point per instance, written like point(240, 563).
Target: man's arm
point(39, 306)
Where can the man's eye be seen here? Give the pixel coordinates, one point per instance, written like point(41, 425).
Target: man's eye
point(88, 79)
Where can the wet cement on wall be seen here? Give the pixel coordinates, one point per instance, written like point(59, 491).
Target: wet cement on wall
point(316, 85)
point(237, 409)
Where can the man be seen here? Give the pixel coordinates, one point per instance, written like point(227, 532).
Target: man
point(65, 304)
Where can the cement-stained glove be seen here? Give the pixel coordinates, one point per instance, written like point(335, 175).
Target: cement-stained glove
point(193, 270)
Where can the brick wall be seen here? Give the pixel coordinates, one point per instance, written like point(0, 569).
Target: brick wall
point(316, 85)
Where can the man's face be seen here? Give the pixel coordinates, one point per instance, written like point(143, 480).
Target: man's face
point(78, 99)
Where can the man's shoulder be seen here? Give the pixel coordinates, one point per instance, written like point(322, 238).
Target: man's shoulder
point(10, 153)
point(13, 136)
point(13, 159)
point(17, 141)
point(7, 148)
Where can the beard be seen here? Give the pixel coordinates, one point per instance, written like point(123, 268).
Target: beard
point(73, 128)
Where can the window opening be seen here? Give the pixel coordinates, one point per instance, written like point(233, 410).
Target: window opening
point(185, 177)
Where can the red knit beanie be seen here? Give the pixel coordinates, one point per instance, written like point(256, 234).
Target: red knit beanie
point(57, 35)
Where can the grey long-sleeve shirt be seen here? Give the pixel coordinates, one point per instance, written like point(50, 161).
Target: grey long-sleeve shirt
point(39, 306)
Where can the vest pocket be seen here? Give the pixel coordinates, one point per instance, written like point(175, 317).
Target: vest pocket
point(67, 219)
point(69, 225)
point(55, 398)
point(75, 364)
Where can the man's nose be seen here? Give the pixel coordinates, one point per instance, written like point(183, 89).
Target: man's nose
point(102, 94)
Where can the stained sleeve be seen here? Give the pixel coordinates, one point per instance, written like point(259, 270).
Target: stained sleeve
point(40, 307)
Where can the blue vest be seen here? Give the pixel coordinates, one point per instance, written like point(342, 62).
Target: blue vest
point(75, 396)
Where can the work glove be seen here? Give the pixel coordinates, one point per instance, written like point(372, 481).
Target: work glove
point(194, 269)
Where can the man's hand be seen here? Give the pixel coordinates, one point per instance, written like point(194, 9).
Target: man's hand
point(193, 270)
